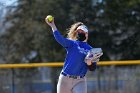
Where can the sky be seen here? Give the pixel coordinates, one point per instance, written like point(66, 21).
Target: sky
point(4, 3)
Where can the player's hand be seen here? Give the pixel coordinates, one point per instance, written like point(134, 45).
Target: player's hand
point(89, 62)
point(51, 24)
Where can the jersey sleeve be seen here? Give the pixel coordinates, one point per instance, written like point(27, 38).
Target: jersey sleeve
point(61, 40)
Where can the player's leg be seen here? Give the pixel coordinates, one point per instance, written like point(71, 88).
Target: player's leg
point(80, 87)
point(64, 85)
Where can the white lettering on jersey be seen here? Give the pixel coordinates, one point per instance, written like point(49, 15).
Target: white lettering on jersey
point(82, 50)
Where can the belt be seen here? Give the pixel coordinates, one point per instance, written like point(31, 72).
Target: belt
point(72, 76)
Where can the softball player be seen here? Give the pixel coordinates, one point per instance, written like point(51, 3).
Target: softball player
point(72, 77)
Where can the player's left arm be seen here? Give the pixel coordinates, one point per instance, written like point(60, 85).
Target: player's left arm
point(92, 58)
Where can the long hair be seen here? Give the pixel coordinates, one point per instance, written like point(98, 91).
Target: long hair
point(72, 30)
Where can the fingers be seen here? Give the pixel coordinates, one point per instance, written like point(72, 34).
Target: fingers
point(98, 55)
point(49, 23)
point(97, 60)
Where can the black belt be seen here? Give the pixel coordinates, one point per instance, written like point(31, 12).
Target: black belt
point(72, 76)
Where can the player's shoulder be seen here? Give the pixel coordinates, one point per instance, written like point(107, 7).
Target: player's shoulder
point(85, 44)
point(89, 46)
point(70, 40)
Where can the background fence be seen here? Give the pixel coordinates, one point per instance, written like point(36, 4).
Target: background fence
point(110, 77)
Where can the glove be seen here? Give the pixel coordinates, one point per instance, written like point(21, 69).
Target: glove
point(94, 54)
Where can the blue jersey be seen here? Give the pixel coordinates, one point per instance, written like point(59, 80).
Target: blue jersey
point(76, 51)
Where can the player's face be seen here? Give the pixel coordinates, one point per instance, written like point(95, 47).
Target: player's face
point(86, 33)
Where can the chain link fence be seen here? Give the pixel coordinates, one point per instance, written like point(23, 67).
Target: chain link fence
point(106, 79)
